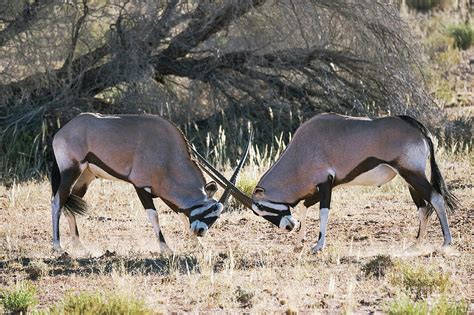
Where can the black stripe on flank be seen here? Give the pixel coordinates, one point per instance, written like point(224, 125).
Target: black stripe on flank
point(363, 167)
point(93, 159)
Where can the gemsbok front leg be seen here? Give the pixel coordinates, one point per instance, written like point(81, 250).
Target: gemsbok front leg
point(325, 190)
point(147, 202)
point(314, 199)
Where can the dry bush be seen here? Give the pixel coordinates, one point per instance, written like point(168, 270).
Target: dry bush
point(201, 64)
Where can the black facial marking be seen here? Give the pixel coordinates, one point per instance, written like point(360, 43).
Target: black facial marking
point(271, 210)
point(201, 215)
point(275, 219)
point(209, 221)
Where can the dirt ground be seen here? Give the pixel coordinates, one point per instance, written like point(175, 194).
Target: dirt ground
point(246, 264)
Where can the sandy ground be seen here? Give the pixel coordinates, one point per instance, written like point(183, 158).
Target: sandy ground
point(246, 264)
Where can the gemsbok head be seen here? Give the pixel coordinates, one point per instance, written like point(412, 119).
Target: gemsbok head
point(333, 150)
point(145, 150)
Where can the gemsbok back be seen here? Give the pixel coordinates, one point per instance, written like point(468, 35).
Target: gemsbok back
point(333, 150)
point(145, 150)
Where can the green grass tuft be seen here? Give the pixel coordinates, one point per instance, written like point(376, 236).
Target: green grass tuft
point(445, 307)
point(463, 35)
point(95, 303)
point(441, 306)
point(405, 306)
point(246, 184)
point(419, 281)
point(20, 299)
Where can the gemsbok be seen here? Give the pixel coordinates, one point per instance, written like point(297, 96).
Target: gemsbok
point(145, 150)
point(333, 150)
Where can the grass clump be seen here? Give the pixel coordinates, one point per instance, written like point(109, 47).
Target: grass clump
point(419, 281)
point(95, 303)
point(406, 306)
point(445, 307)
point(19, 299)
point(246, 184)
point(463, 35)
point(378, 266)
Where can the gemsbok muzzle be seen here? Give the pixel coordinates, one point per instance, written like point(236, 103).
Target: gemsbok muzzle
point(202, 217)
point(277, 213)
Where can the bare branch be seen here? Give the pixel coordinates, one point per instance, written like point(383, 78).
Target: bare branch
point(24, 20)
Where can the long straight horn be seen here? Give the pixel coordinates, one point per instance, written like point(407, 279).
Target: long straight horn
point(222, 181)
point(225, 196)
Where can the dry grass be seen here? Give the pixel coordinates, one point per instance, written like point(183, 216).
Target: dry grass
point(247, 264)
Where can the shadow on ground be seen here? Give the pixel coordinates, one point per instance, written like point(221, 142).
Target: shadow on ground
point(107, 263)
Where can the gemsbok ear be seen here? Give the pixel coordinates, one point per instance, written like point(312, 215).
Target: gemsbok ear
point(210, 189)
point(258, 190)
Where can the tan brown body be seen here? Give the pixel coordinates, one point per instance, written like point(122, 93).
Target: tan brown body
point(331, 150)
point(312, 154)
point(145, 150)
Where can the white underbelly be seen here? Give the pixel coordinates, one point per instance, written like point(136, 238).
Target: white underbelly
point(375, 177)
point(98, 172)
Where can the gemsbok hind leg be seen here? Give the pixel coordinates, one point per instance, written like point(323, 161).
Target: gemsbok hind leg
point(420, 183)
point(79, 189)
point(147, 202)
point(325, 190)
point(423, 213)
point(68, 177)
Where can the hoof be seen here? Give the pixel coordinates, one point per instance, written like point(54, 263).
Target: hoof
point(57, 250)
point(316, 248)
point(416, 247)
point(165, 250)
point(448, 250)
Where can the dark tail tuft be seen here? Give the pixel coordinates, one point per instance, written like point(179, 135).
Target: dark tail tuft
point(75, 205)
point(55, 176)
point(452, 203)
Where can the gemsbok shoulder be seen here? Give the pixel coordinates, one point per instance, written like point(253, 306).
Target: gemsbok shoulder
point(145, 150)
point(333, 150)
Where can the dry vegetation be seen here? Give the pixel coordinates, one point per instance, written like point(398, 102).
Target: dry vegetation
point(246, 263)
